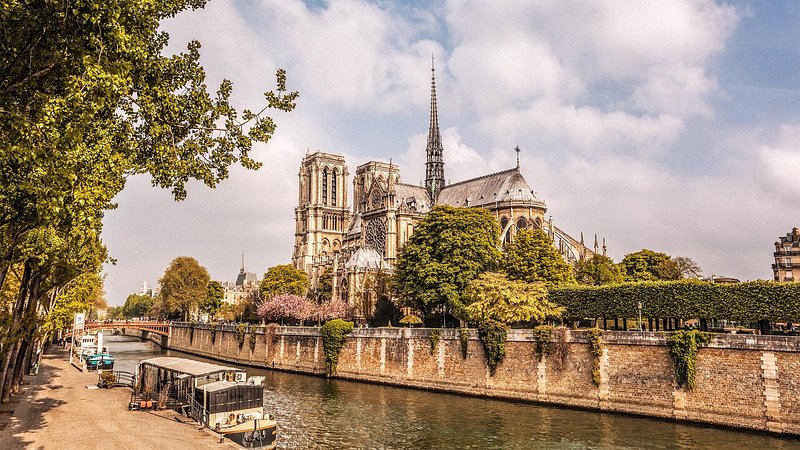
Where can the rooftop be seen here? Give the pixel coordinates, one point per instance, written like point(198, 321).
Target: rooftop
point(187, 366)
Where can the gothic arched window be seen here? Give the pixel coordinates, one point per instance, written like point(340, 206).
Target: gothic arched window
point(333, 187)
point(522, 223)
point(506, 233)
point(325, 186)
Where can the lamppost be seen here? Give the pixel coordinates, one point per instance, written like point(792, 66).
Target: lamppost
point(640, 316)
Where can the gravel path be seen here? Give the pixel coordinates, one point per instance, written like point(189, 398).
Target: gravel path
point(56, 410)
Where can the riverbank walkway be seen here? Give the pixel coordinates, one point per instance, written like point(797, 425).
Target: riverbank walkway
point(56, 410)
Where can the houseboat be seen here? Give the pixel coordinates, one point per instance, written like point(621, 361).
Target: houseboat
point(219, 397)
point(99, 361)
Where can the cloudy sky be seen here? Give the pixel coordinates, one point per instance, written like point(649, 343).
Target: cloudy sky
point(673, 126)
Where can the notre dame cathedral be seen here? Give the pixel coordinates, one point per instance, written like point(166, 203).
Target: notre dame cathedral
point(356, 244)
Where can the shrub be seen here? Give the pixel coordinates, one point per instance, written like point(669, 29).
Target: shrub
point(560, 347)
point(541, 341)
point(334, 333)
point(683, 349)
point(252, 339)
point(493, 336)
point(241, 330)
point(463, 335)
point(434, 338)
point(596, 347)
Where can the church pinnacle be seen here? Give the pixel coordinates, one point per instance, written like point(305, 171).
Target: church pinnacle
point(434, 167)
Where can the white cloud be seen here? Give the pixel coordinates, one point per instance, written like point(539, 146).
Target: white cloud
point(779, 165)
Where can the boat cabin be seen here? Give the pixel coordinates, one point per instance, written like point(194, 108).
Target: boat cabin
point(230, 404)
point(182, 376)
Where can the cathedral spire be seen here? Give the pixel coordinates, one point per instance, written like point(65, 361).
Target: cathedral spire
point(241, 270)
point(434, 166)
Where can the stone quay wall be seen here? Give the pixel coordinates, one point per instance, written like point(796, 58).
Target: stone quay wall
point(742, 381)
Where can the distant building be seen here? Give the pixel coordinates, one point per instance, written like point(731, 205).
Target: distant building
point(146, 290)
point(787, 257)
point(721, 280)
point(245, 286)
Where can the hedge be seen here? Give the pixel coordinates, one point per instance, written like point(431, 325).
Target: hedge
point(686, 299)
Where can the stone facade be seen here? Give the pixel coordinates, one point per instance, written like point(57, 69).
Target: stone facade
point(787, 257)
point(749, 382)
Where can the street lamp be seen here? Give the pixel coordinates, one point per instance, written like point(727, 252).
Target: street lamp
point(640, 316)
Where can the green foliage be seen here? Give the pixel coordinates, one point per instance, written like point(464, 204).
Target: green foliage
point(283, 280)
point(241, 330)
point(82, 294)
point(560, 352)
point(541, 341)
point(184, 286)
point(137, 305)
point(324, 291)
point(531, 257)
point(334, 333)
point(463, 336)
point(449, 248)
point(252, 339)
point(212, 328)
point(683, 349)
point(410, 319)
point(386, 311)
point(643, 265)
point(598, 270)
point(215, 293)
point(595, 336)
point(493, 296)
point(745, 302)
point(493, 336)
point(434, 338)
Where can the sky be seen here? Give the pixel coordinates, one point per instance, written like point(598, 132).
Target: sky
point(673, 126)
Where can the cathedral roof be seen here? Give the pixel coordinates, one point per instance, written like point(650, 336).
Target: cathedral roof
point(408, 195)
point(355, 224)
point(506, 186)
point(245, 278)
point(365, 258)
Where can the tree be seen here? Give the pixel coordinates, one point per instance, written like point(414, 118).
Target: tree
point(598, 270)
point(643, 265)
point(687, 267)
point(88, 97)
point(449, 248)
point(82, 294)
point(213, 301)
point(184, 286)
point(324, 291)
point(324, 312)
point(285, 306)
point(137, 305)
point(531, 257)
point(283, 280)
point(493, 296)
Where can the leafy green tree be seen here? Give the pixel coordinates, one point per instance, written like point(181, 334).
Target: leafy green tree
point(531, 257)
point(88, 97)
point(324, 291)
point(283, 280)
point(643, 265)
point(213, 301)
point(184, 286)
point(137, 305)
point(598, 270)
point(82, 294)
point(116, 312)
point(449, 248)
point(492, 296)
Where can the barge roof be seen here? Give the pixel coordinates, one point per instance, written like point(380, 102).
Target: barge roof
point(187, 366)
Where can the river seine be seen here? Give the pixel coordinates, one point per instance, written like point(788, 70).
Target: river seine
point(319, 413)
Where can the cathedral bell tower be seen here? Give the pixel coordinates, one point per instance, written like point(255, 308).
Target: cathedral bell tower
point(434, 166)
point(323, 213)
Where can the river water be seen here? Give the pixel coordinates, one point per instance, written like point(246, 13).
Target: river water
point(319, 413)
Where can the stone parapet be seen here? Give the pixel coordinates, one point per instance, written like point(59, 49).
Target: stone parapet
point(743, 381)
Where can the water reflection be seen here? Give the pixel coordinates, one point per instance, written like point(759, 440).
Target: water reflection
point(319, 413)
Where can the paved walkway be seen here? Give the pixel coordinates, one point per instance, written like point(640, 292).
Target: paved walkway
point(55, 410)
